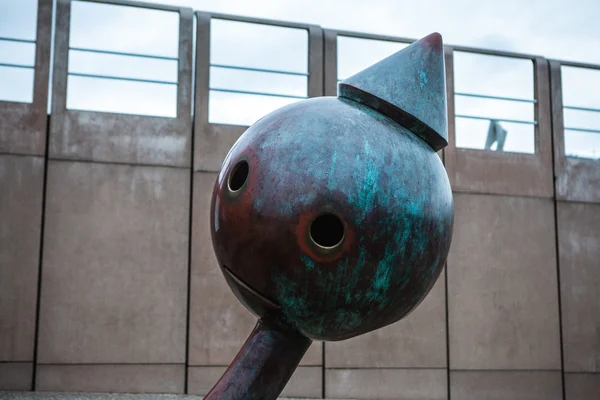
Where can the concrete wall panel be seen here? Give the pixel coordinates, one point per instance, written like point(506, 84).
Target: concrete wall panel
point(21, 192)
point(503, 173)
point(115, 264)
point(87, 135)
point(505, 385)
point(16, 376)
point(417, 341)
point(502, 284)
point(396, 384)
point(219, 323)
point(22, 129)
point(582, 386)
point(23, 125)
point(213, 140)
point(577, 179)
point(111, 378)
point(579, 252)
point(112, 137)
point(306, 381)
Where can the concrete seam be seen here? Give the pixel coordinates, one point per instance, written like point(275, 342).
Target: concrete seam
point(506, 370)
point(448, 395)
point(40, 260)
point(556, 241)
point(15, 154)
point(118, 163)
point(462, 191)
point(391, 368)
point(189, 276)
point(107, 364)
point(323, 371)
point(323, 62)
point(191, 215)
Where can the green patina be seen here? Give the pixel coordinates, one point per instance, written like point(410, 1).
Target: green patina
point(405, 278)
point(367, 181)
point(332, 174)
point(309, 262)
point(423, 79)
point(348, 319)
point(294, 304)
point(381, 281)
point(387, 171)
point(350, 287)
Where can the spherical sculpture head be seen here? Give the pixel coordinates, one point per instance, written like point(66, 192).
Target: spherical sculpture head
point(333, 216)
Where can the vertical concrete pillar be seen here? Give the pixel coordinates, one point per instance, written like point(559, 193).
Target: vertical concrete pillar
point(578, 222)
point(22, 151)
point(503, 301)
point(113, 309)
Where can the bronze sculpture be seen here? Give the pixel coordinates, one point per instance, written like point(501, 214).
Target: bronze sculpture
point(332, 217)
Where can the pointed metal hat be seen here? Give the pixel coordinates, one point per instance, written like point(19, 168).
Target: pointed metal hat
point(410, 87)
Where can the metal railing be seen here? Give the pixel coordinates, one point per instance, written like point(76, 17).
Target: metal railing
point(14, 65)
point(289, 73)
point(145, 84)
point(18, 66)
point(256, 93)
point(588, 130)
point(489, 119)
point(521, 140)
point(502, 98)
point(482, 96)
point(121, 78)
point(255, 85)
point(512, 99)
point(11, 65)
point(464, 94)
point(380, 39)
point(579, 147)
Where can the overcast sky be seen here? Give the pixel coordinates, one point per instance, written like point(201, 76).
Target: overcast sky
point(566, 30)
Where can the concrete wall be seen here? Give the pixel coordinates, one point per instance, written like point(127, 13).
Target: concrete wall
point(108, 280)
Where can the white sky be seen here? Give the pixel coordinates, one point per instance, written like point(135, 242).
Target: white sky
point(566, 30)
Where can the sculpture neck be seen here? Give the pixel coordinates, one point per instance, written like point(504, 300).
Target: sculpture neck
point(263, 366)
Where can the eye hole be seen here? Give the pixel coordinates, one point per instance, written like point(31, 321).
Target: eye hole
point(327, 231)
point(238, 176)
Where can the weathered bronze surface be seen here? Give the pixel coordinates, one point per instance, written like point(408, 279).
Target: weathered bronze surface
point(332, 217)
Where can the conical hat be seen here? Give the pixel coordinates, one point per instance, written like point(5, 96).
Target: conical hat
point(409, 87)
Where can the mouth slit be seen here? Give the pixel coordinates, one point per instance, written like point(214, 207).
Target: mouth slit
point(249, 288)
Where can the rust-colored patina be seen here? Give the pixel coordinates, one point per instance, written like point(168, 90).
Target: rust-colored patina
point(332, 217)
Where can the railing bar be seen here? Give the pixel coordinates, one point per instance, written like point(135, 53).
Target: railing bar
point(118, 78)
point(582, 130)
point(593, 157)
point(272, 71)
point(575, 64)
point(17, 66)
point(257, 93)
point(8, 39)
point(483, 96)
point(118, 53)
point(252, 20)
point(516, 121)
point(582, 108)
point(137, 4)
point(374, 37)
